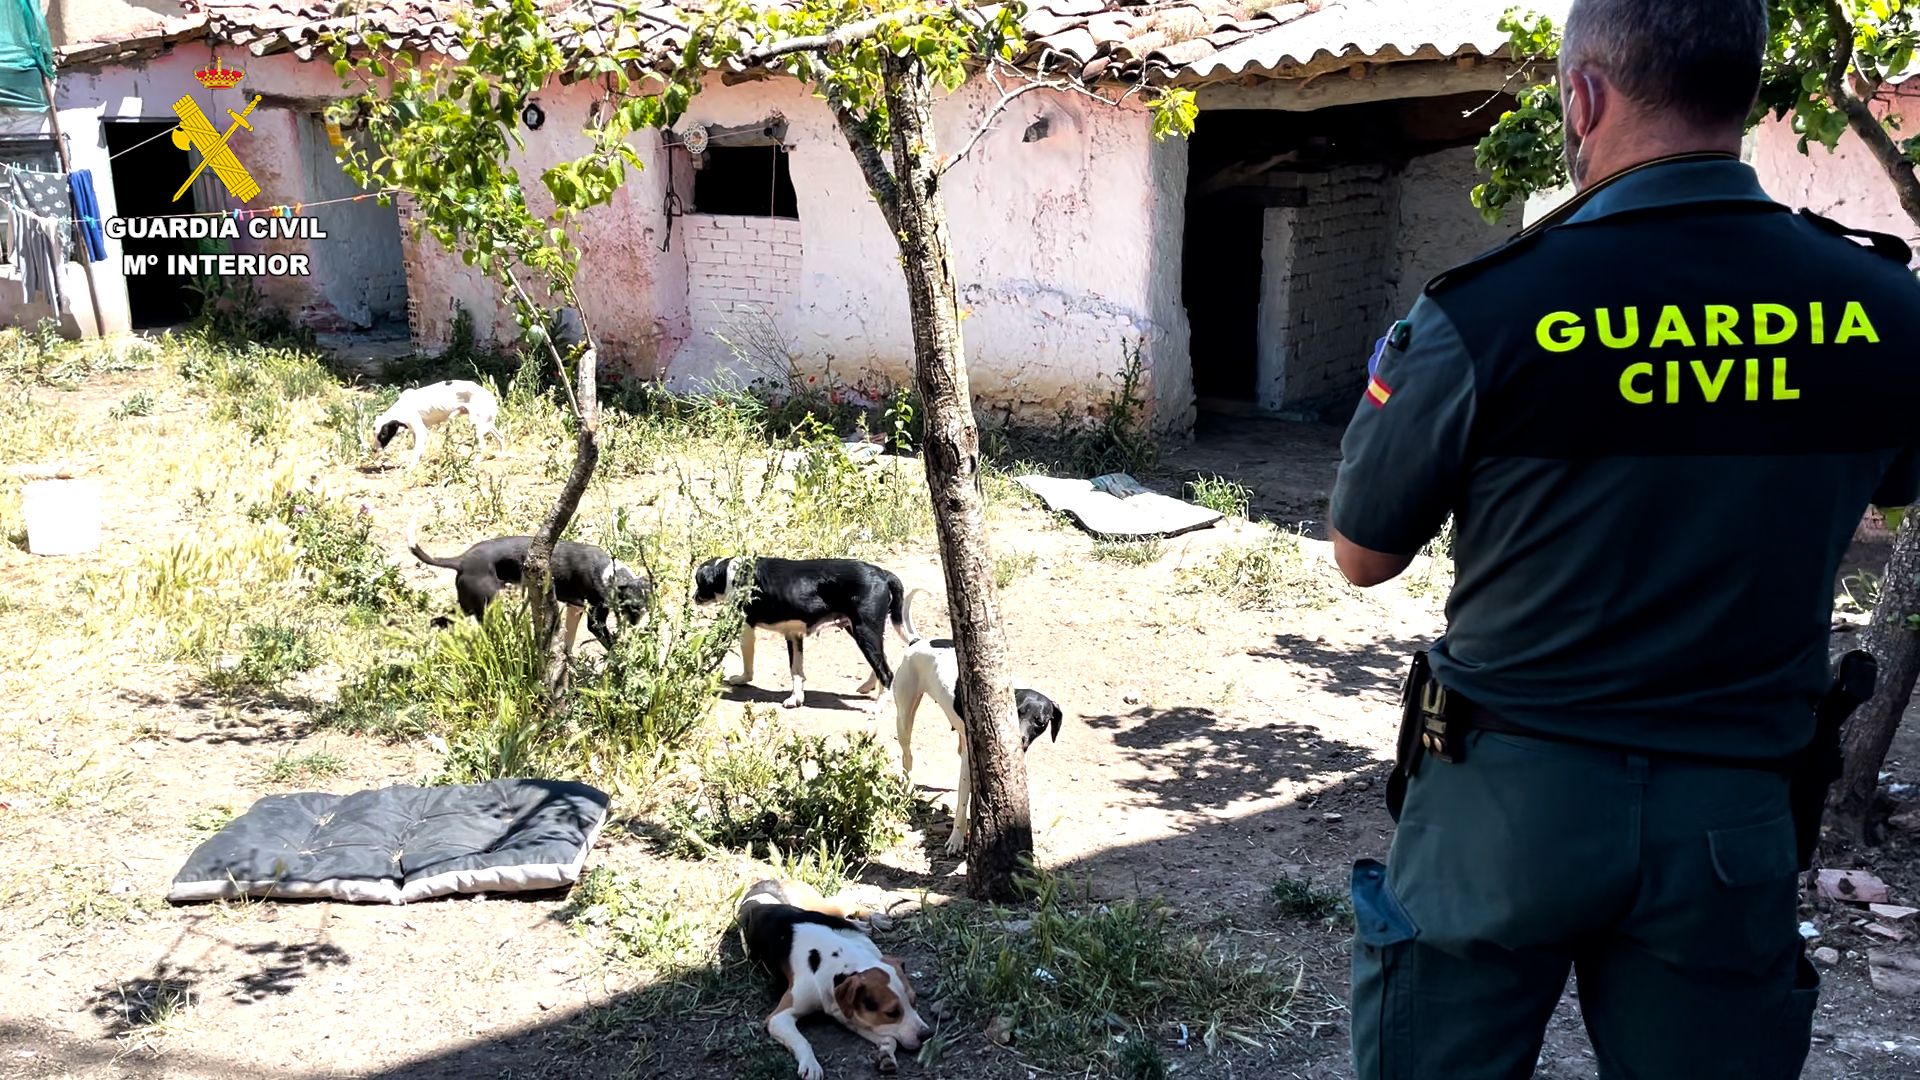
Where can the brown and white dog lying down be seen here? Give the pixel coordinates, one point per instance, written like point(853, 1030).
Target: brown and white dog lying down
point(820, 952)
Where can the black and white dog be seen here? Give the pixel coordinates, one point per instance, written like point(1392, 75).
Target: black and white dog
point(798, 597)
point(584, 578)
point(931, 668)
point(423, 408)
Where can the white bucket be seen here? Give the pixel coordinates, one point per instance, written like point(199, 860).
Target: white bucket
point(63, 516)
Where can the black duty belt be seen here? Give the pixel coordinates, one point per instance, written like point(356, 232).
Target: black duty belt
point(1472, 716)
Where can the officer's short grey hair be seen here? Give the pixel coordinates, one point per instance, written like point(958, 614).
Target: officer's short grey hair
point(1699, 59)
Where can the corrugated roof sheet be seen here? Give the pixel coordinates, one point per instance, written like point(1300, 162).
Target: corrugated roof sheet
point(1163, 40)
point(1354, 30)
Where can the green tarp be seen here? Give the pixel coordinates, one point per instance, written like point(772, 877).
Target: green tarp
point(26, 55)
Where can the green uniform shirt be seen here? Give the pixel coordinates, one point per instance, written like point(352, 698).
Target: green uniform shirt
point(1656, 424)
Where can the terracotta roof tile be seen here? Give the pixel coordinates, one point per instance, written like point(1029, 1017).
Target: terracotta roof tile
point(1119, 39)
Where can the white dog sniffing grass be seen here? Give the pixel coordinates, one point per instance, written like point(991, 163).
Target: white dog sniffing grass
point(420, 409)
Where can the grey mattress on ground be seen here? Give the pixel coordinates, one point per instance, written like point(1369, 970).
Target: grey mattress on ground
point(398, 844)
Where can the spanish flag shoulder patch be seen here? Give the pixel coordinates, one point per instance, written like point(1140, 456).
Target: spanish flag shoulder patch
point(1378, 392)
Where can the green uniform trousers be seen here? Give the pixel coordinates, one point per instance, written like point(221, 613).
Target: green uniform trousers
point(1669, 889)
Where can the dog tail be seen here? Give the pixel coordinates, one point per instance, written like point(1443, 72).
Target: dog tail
point(903, 615)
point(420, 553)
point(897, 609)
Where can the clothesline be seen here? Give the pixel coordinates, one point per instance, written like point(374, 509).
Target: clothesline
point(286, 210)
point(144, 142)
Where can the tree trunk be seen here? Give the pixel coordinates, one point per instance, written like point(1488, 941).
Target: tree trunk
point(1869, 733)
point(1001, 833)
point(547, 628)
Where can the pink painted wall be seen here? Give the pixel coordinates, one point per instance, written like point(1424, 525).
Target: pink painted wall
point(633, 295)
point(1845, 184)
point(1065, 248)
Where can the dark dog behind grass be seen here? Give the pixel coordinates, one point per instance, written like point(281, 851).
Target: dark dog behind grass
point(585, 578)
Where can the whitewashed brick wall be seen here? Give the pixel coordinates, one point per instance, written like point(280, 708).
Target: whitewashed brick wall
point(1322, 310)
point(734, 261)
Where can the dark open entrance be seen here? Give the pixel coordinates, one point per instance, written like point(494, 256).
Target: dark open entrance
point(147, 169)
point(1338, 171)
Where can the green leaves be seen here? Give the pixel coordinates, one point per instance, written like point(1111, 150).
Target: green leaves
point(1173, 111)
point(1530, 36)
point(1523, 152)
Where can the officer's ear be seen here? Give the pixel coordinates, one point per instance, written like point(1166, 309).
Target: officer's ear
point(1585, 100)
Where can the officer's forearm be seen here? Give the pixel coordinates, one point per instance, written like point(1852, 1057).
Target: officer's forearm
point(1364, 566)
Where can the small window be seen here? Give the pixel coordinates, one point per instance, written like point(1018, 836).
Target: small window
point(748, 181)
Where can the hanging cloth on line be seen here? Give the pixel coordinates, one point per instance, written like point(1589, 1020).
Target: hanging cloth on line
point(36, 242)
point(46, 194)
point(87, 209)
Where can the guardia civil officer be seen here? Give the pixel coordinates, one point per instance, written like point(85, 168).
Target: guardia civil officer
point(1655, 419)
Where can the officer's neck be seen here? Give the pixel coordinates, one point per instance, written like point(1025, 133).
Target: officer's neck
point(1612, 156)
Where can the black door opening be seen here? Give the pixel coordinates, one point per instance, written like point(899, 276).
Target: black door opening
point(147, 170)
point(1221, 288)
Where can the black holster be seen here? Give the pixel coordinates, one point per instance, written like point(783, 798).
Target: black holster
point(1821, 763)
point(1425, 728)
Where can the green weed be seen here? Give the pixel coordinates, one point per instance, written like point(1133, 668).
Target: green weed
point(1105, 986)
point(1117, 440)
point(676, 940)
point(1271, 573)
point(136, 404)
point(336, 547)
point(254, 385)
point(477, 685)
point(270, 654)
point(210, 819)
point(1129, 552)
point(1302, 900)
point(761, 792)
point(1222, 495)
point(837, 506)
point(292, 768)
point(1011, 566)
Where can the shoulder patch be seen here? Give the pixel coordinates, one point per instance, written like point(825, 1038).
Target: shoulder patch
point(1885, 245)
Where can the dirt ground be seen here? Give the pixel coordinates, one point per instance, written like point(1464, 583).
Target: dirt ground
point(1208, 753)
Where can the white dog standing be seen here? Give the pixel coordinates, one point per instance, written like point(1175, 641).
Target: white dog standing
point(931, 669)
point(423, 408)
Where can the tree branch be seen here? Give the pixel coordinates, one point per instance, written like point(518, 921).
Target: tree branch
point(873, 166)
point(1034, 81)
point(986, 123)
point(1863, 122)
point(833, 41)
point(559, 363)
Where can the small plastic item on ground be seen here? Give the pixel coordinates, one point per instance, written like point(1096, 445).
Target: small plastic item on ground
point(63, 516)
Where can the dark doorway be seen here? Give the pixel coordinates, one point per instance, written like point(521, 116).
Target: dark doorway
point(147, 169)
point(1242, 163)
point(1221, 287)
